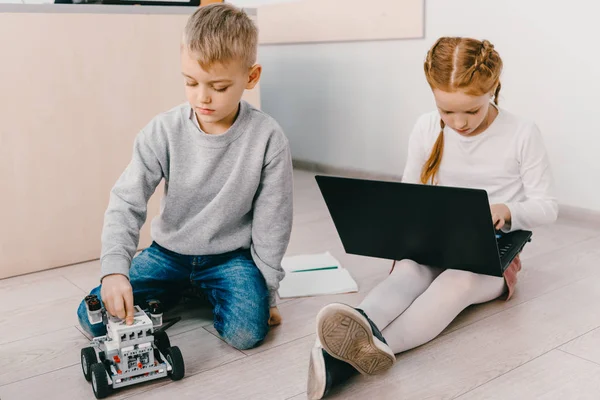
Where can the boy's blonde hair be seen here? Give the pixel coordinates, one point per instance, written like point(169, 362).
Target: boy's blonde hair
point(457, 63)
point(221, 33)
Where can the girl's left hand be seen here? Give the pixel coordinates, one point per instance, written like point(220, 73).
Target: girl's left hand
point(500, 215)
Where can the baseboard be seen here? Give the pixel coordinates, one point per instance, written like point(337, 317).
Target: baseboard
point(341, 171)
point(583, 216)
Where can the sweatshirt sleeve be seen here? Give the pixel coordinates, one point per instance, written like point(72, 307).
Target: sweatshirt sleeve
point(540, 206)
point(417, 155)
point(272, 219)
point(127, 207)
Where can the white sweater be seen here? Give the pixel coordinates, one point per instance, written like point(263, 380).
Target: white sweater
point(508, 160)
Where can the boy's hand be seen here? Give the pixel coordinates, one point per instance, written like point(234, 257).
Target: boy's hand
point(500, 215)
point(117, 296)
point(275, 317)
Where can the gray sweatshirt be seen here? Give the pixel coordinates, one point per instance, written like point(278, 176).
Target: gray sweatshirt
point(222, 192)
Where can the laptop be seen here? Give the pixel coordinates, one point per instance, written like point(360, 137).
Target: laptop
point(440, 226)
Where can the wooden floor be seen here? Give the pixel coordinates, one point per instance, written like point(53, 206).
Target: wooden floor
point(543, 344)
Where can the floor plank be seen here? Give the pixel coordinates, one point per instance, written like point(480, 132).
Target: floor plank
point(314, 237)
point(39, 319)
point(65, 383)
point(274, 374)
point(17, 295)
point(553, 376)
point(586, 346)
point(201, 352)
point(84, 276)
point(559, 235)
point(40, 354)
point(301, 396)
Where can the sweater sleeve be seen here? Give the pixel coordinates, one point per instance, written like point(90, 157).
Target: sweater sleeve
point(127, 208)
point(540, 206)
point(272, 219)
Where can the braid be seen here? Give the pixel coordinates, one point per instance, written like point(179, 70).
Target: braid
point(429, 56)
point(497, 93)
point(481, 61)
point(486, 50)
point(432, 165)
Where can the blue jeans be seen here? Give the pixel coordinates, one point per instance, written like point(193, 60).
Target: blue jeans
point(231, 282)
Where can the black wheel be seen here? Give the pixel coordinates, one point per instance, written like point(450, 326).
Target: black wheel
point(161, 341)
point(174, 357)
point(88, 357)
point(100, 381)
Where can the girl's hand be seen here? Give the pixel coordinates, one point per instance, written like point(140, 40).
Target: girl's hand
point(500, 215)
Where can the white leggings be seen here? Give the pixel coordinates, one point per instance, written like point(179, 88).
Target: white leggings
point(415, 303)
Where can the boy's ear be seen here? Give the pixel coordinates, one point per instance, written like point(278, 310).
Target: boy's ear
point(254, 76)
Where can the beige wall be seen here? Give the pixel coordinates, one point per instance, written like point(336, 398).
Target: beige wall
point(310, 21)
point(75, 90)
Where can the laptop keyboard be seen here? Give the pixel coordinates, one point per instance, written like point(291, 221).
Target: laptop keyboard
point(504, 249)
point(509, 248)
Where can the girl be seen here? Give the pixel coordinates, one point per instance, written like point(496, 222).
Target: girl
point(468, 142)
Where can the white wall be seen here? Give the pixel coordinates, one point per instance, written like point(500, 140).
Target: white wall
point(353, 104)
point(256, 3)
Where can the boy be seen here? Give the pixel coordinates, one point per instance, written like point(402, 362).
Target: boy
point(226, 215)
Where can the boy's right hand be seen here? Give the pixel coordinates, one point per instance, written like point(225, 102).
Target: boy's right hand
point(117, 296)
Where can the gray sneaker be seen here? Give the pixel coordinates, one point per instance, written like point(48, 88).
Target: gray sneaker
point(349, 335)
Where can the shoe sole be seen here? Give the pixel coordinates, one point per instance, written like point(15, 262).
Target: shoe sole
point(317, 378)
point(346, 335)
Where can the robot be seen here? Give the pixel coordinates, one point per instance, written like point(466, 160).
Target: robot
point(129, 354)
